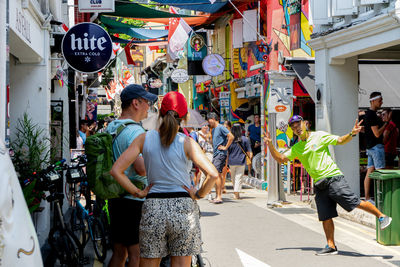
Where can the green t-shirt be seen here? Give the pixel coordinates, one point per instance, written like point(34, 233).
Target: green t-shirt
point(314, 155)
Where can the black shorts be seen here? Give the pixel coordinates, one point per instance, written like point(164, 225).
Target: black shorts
point(332, 191)
point(219, 162)
point(125, 215)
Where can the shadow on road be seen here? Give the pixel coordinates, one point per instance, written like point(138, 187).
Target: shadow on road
point(295, 210)
point(341, 252)
point(208, 214)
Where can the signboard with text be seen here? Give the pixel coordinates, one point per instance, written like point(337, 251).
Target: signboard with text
point(96, 6)
point(87, 47)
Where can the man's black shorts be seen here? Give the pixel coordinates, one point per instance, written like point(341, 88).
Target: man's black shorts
point(219, 162)
point(125, 215)
point(331, 191)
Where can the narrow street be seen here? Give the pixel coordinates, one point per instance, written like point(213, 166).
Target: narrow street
point(247, 233)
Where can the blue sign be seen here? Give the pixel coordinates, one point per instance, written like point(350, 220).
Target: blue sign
point(87, 47)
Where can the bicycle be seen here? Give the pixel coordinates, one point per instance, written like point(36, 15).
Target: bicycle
point(64, 244)
point(83, 222)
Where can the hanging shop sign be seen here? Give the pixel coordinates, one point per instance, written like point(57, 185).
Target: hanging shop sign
point(225, 106)
point(197, 48)
point(96, 6)
point(213, 65)
point(87, 47)
point(154, 83)
point(179, 76)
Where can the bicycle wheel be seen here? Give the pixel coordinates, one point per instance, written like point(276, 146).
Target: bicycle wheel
point(99, 239)
point(66, 247)
point(78, 226)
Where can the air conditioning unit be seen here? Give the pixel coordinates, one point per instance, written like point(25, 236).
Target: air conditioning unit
point(372, 2)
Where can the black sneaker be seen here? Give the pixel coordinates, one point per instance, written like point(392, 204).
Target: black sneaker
point(327, 251)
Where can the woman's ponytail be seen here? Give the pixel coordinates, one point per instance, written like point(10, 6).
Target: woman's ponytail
point(169, 127)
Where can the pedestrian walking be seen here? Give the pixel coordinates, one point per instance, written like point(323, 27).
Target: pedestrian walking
point(125, 212)
point(237, 154)
point(228, 125)
point(222, 139)
point(205, 142)
point(330, 185)
point(390, 136)
point(170, 217)
point(374, 128)
point(254, 133)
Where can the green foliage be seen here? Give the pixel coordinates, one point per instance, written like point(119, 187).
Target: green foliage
point(31, 152)
point(102, 116)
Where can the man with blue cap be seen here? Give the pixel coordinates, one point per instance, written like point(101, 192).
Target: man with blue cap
point(330, 185)
point(125, 212)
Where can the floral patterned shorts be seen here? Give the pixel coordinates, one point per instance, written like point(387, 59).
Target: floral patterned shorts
point(169, 226)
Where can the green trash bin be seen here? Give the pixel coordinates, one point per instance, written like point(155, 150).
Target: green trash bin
point(387, 199)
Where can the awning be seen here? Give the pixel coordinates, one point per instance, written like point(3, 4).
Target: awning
point(138, 42)
point(111, 22)
point(133, 10)
point(198, 5)
point(192, 21)
point(306, 73)
point(140, 33)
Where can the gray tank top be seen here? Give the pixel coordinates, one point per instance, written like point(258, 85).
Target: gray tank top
point(168, 168)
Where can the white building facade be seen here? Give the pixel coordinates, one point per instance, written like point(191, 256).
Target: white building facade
point(26, 71)
point(346, 32)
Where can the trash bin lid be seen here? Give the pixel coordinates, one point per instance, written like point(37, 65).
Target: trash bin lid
point(385, 174)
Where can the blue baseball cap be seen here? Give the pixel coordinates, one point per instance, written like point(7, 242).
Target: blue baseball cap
point(295, 118)
point(134, 91)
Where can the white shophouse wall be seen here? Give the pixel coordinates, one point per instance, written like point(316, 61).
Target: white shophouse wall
point(30, 92)
point(3, 34)
point(338, 110)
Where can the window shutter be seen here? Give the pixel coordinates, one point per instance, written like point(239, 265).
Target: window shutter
point(237, 33)
point(250, 25)
point(343, 8)
point(321, 11)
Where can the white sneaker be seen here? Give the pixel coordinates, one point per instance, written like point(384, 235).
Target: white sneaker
point(384, 221)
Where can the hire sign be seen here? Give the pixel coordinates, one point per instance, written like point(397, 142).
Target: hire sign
point(87, 47)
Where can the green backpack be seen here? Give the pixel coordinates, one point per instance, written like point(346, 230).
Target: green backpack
point(100, 159)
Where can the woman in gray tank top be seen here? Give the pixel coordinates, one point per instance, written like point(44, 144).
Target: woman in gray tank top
point(170, 214)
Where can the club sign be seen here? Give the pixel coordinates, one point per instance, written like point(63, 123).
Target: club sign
point(87, 47)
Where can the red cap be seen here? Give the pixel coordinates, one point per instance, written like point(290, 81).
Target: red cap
point(174, 101)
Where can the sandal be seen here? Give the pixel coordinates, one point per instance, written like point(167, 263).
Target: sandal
point(216, 201)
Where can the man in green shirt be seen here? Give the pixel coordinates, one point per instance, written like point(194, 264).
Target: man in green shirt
point(330, 186)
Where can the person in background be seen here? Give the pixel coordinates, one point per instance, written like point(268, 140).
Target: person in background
point(254, 133)
point(83, 130)
point(390, 136)
point(170, 218)
point(228, 125)
point(205, 142)
point(192, 133)
point(237, 153)
point(222, 139)
point(374, 128)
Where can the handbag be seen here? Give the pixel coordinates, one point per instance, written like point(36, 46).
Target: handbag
point(248, 159)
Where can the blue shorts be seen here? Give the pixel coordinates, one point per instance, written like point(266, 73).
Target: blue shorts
point(376, 157)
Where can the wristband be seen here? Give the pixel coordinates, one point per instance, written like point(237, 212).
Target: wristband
point(351, 134)
point(197, 194)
